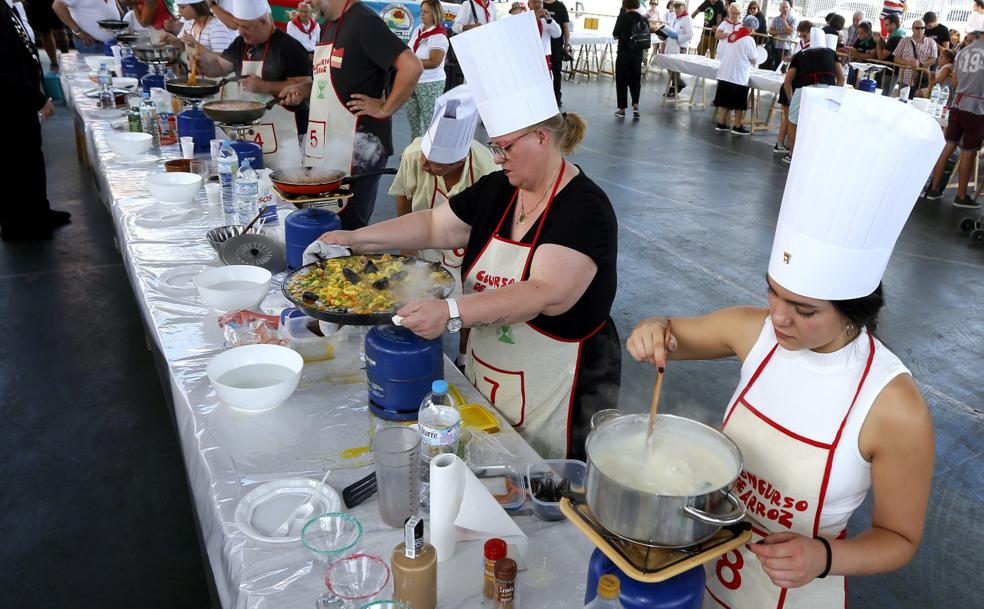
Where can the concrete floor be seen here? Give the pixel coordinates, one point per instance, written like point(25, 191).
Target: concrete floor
point(98, 500)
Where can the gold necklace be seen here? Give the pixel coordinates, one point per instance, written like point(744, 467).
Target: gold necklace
point(523, 213)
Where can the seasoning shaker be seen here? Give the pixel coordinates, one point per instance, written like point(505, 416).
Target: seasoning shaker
point(495, 549)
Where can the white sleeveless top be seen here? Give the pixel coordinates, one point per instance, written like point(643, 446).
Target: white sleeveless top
point(820, 387)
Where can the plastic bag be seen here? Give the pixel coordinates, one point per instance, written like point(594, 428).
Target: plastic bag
point(250, 328)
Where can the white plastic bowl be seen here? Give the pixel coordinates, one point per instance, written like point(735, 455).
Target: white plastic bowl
point(255, 378)
point(121, 82)
point(174, 188)
point(94, 61)
point(235, 287)
point(129, 145)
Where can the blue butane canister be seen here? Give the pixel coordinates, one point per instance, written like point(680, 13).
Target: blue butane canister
point(685, 591)
point(400, 367)
point(301, 229)
point(193, 123)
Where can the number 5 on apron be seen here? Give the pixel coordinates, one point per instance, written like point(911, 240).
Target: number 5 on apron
point(330, 140)
point(783, 485)
point(527, 374)
point(277, 129)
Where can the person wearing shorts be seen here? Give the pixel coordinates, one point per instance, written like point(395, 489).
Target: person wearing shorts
point(965, 128)
point(49, 29)
point(816, 66)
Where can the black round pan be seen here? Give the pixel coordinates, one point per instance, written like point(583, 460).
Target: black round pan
point(343, 316)
point(203, 87)
point(237, 111)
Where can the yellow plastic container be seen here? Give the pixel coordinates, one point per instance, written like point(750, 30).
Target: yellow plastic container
point(478, 417)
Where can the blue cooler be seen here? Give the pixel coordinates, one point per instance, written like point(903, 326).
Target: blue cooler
point(400, 367)
point(302, 228)
point(685, 591)
point(867, 85)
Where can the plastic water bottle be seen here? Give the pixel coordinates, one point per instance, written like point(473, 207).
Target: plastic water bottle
point(247, 193)
point(106, 97)
point(440, 424)
point(609, 588)
point(941, 106)
point(227, 163)
point(934, 99)
point(148, 121)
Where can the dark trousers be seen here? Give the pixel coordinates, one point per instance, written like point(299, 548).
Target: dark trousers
point(25, 160)
point(556, 64)
point(628, 76)
point(359, 209)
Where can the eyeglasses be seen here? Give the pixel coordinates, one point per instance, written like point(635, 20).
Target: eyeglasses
point(918, 27)
point(499, 151)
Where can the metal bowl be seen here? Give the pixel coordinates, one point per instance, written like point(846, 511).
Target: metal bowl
point(156, 53)
point(217, 236)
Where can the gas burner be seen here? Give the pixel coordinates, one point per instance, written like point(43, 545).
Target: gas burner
point(652, 564)
point(335, 200)
point(239, 132)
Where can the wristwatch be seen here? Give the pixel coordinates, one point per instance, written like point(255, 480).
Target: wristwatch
point(454, 324)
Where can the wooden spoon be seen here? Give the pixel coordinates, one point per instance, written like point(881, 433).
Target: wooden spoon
point(656, 390)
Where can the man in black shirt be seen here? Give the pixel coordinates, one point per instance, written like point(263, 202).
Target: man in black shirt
point(282, 60)
point(363, 74)
point(714, 13)
point(558, 46)
point(937, 31)
point(25, 215)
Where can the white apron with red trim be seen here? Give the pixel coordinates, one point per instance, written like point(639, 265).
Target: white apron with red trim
point(529, 376)
point(330, 140)
point(783, 486)
point(451, 259)
point(276, 132)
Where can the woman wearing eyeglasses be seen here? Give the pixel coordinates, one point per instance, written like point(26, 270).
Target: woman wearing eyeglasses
point(539, 269)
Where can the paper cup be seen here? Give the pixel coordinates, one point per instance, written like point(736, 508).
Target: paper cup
point(212, 191)
point(187, 148)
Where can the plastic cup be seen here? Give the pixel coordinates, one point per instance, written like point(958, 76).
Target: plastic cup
point(213, 191)
point(187, 147)
point(213, 146)
point(396, 451)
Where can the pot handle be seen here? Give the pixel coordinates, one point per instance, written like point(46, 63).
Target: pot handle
point(719, 520)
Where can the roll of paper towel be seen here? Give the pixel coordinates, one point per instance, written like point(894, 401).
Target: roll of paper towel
point(447, 487)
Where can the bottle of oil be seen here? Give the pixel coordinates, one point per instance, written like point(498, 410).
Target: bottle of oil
point(414, 566)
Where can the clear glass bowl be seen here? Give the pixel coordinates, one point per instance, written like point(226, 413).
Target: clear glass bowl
point(357, 577)
point(331, 534)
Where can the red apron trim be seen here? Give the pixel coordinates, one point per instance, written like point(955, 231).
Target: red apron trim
point(421, 35)
point(748, 385)
point(542, 219)
point(570, 402)
point(784, 430)
point(338, 23)
point(471, 180)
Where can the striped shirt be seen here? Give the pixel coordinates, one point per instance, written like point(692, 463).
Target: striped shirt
point(214, 35)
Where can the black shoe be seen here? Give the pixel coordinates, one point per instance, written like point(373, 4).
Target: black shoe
point(720, 127)
point(933, 195)
point(683, 85)
point(966, 202)
point(671, 93)
point(58, 218)
point(740, 131)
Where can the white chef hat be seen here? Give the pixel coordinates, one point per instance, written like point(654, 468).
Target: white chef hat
point(861, 161)
point(247, 10)
point(183, 2)
point(832, 40)
point(506, 73)
point(818, 40)
point(452, 128)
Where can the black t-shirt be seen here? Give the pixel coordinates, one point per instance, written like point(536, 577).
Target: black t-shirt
point(814, 67)
point(558, 12)
point(622, 32)
point(865, 46)
point(891, 44)
point(370, 49)
point(581, 217)
point(284, 58)
point(940, 34)
point(714, 12)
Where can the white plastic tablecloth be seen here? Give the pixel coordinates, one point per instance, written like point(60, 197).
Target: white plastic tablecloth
point(228, 453)
point(705, 67)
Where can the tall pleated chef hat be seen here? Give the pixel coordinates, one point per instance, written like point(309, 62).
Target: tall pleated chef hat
point(861, 161)
point(818, 40)
point(506, 73)
point(247, 10)
point(452, 128)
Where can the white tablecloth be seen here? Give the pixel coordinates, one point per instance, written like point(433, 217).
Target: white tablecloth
point(705, 67)
point(228, 453)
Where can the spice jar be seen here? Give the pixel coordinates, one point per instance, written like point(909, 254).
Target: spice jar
point(505, 584)
point(495, 549)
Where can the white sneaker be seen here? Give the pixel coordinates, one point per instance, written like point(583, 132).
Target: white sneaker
point(779, 149)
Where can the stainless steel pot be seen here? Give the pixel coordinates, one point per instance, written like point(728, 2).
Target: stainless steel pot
point(156, 53)
point(660, 520)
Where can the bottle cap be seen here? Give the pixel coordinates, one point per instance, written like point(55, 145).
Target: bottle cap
point(505, 569)
point(608, 587)
point(439, 386)
point(495, 549)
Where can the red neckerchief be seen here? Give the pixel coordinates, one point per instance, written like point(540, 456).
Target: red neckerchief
point(738, 34)
point(305, 30)
point(685, 14)
point(485, 7)
point(421, 34)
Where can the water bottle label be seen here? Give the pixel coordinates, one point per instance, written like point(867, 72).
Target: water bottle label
point(439, 436)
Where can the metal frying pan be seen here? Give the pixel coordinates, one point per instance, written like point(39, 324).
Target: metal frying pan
point(203, 87)
point(113, 25)
point(237, 111)
point(327, 181)
point(313, 308)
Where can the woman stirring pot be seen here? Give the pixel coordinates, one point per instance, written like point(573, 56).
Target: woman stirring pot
point(823, 410)
point(539, 265)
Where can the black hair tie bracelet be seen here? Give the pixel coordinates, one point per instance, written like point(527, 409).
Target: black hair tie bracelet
point(826, 545)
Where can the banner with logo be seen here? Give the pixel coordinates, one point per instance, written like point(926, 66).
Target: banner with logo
point(403, 17)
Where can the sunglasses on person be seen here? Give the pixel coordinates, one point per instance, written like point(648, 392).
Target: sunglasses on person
point(918, 27)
